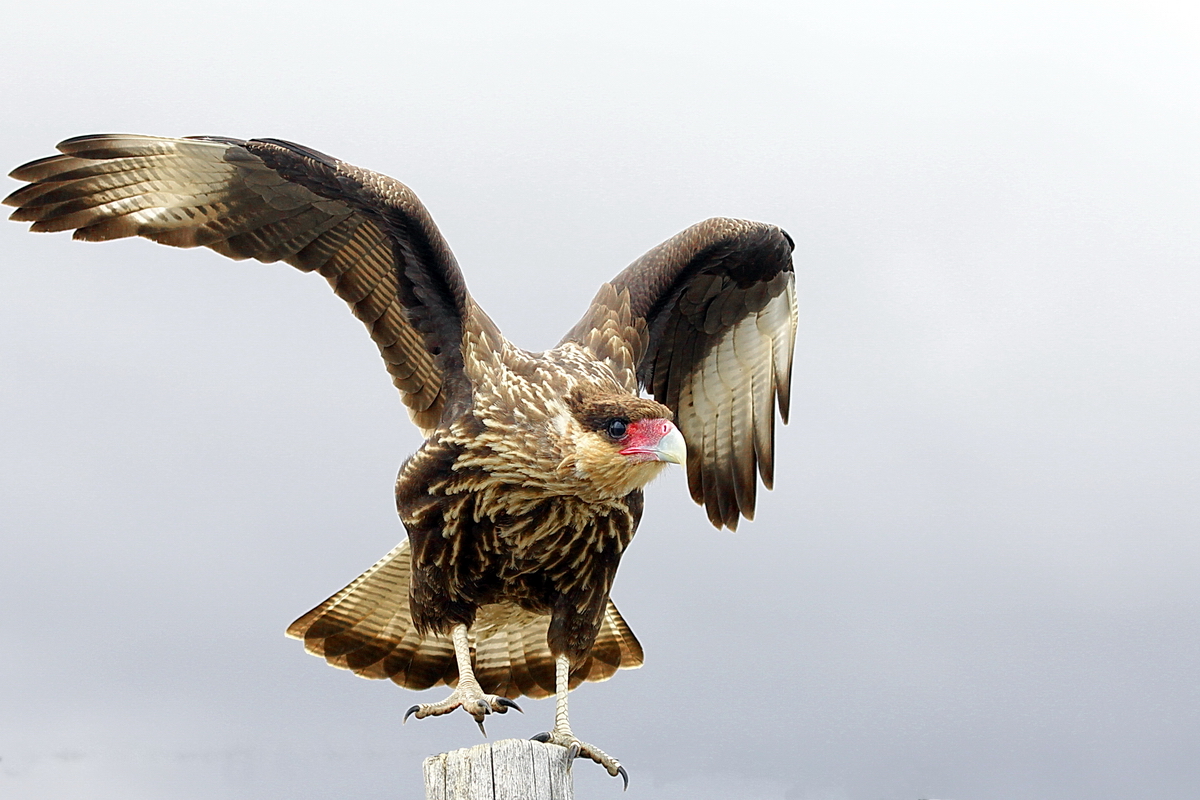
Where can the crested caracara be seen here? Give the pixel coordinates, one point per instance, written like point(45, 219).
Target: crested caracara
point(528, 487)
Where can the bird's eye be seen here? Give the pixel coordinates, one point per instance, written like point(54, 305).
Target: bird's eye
point(616, 428)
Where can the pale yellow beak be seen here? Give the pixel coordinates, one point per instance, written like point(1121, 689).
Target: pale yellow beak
point(672, 447)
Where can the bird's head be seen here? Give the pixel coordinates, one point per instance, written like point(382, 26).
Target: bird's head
point(619, 442)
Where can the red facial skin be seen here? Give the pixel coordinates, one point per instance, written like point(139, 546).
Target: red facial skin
point(642, 439)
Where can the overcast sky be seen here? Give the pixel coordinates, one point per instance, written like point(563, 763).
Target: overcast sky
point(977, 577)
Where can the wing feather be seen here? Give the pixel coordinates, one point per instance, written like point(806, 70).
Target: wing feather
point(368, 235)
point(718, 304)
point(744, 353)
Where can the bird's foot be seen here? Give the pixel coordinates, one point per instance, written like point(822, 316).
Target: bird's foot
point(470, 699)
point(578, 749)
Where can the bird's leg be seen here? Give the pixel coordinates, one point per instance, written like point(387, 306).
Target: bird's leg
point(467, 693)
point(562, 735)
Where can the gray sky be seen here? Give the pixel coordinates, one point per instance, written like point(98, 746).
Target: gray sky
point(977, 578)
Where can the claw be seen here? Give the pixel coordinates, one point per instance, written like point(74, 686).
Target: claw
point(409, 713)
point(573, 751)
point(506, 704)
point(624, 776)
point(479, 722)
point(540, 737)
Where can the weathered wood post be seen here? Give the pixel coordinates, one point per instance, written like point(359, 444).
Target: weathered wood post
point(510, 769)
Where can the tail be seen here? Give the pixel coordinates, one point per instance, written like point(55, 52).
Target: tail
point(367, 628)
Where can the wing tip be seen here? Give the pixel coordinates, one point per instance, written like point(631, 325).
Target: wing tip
point(298, 628)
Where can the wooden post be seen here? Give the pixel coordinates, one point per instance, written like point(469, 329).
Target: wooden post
point(510, 769)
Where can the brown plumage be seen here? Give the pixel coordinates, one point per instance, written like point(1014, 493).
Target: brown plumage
point(528, 487)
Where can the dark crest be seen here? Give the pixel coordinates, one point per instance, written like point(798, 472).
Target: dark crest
point(595, 410)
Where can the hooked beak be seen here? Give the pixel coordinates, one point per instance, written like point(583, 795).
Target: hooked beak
point(665, 443)
point(672, 447)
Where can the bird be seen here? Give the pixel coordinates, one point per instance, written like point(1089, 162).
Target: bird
point(529, 485)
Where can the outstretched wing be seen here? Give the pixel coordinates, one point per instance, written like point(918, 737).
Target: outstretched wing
point(271, 200)
point(367, 628)
point(709, 319)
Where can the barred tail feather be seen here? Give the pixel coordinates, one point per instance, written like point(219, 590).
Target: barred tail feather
point(367, 628)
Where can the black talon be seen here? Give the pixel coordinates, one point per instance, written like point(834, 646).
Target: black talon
point(573, 751)
point(540, 737)
point(624, 776)
point(479, 722)
point(409, 713)
point(506, 704)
